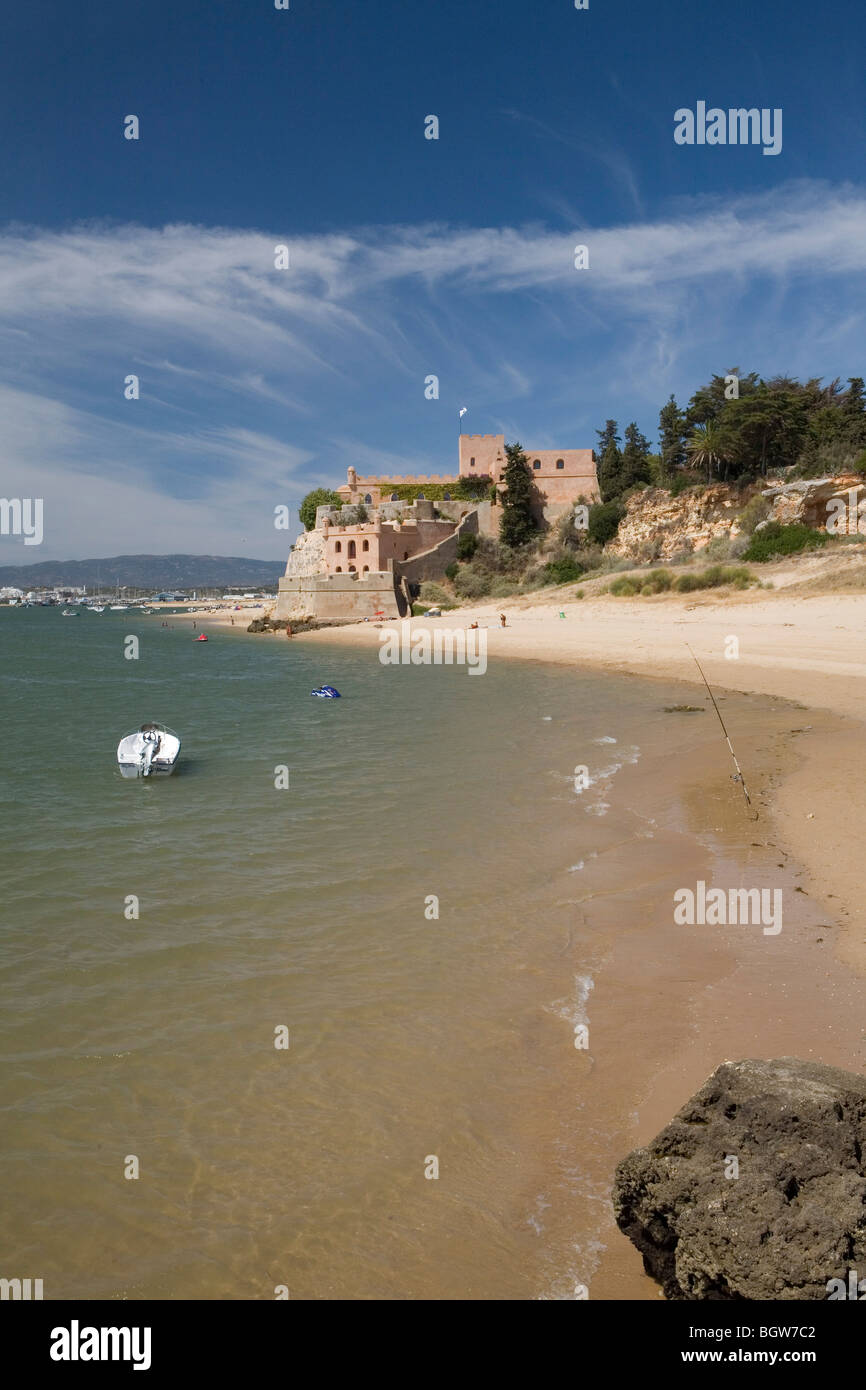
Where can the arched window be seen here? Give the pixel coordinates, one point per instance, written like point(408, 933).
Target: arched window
point(394, 497)
point(560, 463)
point(366, 545)
point(369, 497)
point(338, 546)
point(352, 569)
point(420, 497)
point(537, 463)
point(351, 551)
point(366, 569)
point(446, 496)
point(471, 463)
point(339, 569)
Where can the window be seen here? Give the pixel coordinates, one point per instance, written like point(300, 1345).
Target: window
point(405, 555)
point(560, 463)
point(352, 569)
point(366, 569)
point(338, 546)
point(352, 549)
point(366, 545)
point(339, 569)
point(446, 496)
point(471, 463)
point(537, 463)
point(420, 497)
point(394, 497)
point(369, 497)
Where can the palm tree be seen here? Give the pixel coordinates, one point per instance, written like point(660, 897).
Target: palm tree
point(707, 446)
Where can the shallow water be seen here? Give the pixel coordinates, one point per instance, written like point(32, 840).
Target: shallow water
point(412, 1035)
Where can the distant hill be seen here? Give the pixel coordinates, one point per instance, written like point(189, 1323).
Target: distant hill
point(147, 572)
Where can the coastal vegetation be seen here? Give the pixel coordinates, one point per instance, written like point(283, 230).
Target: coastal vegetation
point(773, 541)
point(659, 581)
point(319, 497)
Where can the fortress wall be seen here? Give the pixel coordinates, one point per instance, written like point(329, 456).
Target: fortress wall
point(337, 596)
point(432, 563)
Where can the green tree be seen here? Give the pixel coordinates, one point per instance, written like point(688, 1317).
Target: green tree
point(610, 462)
point(517, 526)
point(706, 448)
point(672, 436)
point(635, 458)
point(319, 497)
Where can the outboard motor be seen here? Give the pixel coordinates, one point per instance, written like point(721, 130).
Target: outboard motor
point(150, 741)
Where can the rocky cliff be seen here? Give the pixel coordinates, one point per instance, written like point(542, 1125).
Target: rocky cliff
point(658, 526)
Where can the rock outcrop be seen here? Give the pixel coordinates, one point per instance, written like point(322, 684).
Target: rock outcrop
point(793, 1217)
point(657, 526)
point(815, 501)
point(307, 555)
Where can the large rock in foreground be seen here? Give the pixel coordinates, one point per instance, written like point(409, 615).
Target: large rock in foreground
point(793, 1219)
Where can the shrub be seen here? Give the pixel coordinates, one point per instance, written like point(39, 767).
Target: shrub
point(467, 544)
point(719, 548)
point(470, 584)
point(503, 588)
point(663, 581)
point(431, 593)
point(777, 540)
point(604, 519)
point(561, 569)
point(714, 577)
point(451, 571)
point(657, 582)
point(756, 509)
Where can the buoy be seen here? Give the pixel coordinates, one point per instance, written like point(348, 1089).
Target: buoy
point(201, 638)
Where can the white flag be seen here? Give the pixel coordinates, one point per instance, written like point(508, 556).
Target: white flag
point(463, 410)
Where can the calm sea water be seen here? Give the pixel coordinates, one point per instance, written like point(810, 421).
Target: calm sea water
point(412, 1036)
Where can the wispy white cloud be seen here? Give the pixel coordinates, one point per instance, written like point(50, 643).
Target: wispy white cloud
point(256, 380)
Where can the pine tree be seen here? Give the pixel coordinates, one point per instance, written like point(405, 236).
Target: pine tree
point(610, 465)
point(635, 457)
point(672, 434)
point(517, 526)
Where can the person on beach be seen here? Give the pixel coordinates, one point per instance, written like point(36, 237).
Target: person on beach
point(502, 619)
point(288, 629)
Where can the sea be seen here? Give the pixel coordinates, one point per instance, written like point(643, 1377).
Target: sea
point(329, 1013)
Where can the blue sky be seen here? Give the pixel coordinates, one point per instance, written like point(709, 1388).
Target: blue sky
point(407, 256)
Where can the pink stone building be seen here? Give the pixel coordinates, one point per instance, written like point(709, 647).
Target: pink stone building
point(560, 475)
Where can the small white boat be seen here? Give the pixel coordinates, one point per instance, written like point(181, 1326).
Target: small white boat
point(119, 608)
point(97, 608)
point(69, 613)
point(151, 751)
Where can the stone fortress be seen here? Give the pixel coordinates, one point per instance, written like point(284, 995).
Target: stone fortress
point(362, 557)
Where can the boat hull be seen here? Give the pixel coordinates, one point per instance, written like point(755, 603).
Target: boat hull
point(152, 751)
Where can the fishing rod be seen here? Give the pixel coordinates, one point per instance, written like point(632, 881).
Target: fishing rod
point(739, 777)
